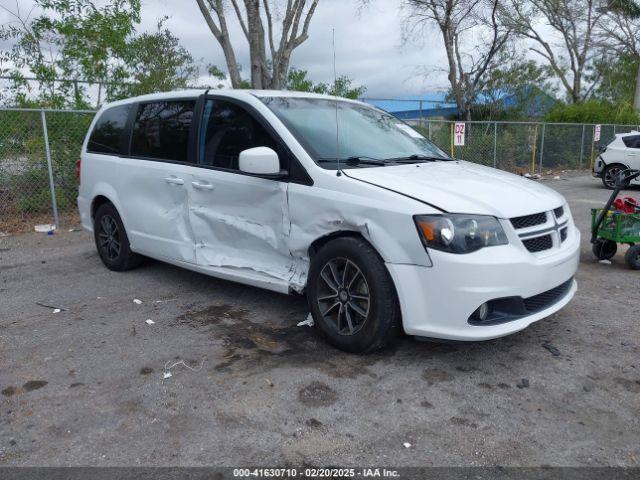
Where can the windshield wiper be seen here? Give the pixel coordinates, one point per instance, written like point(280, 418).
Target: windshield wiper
point(352, 161)
point(355, 161)
point(418, 158)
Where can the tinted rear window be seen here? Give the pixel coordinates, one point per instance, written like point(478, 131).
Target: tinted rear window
point(632, 141)
point(161, 130)
point(108, 133)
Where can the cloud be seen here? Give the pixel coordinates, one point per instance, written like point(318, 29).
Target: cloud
point(368, 44)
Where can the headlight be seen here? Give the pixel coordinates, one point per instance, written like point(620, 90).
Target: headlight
point(459, 233)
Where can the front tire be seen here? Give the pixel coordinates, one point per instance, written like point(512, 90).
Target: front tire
point(352, 297)
point(111, 240)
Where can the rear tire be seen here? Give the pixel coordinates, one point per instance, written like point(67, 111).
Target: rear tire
point(632, 257)
point(352, 297)
point(609, 175)
point(111, 240)
point(604, 249)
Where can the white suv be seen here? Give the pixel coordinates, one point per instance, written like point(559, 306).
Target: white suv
point(308, 193)
point(622, 153)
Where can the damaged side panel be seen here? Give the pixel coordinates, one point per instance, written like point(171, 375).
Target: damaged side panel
point(383, 218)
point(241, 224)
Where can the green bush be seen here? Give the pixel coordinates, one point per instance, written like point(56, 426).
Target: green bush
point(594, 111)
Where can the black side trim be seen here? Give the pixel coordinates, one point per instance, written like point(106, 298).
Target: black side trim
point(508, 309)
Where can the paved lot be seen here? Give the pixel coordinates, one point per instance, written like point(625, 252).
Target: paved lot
point(85, 386)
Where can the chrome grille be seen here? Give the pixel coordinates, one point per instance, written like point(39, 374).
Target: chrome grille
point(538, 244)
point(527, 221)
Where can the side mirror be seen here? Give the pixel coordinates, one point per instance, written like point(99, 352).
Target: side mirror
point(259, 161)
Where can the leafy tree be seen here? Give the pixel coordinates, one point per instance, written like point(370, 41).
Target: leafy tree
point(515, 88)
point(342, 86)
point(78, 40)
point(617, 75)
point(156, 62)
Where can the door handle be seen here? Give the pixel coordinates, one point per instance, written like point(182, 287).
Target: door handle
point(174, 180)
point(202, 186)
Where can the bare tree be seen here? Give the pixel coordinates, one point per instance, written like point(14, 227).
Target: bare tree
point(472, 38)
point(566, 40)
point(270, 47)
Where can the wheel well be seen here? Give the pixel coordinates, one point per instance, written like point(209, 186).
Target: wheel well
point(97, 202)
point(322, 241)
point(615, 164)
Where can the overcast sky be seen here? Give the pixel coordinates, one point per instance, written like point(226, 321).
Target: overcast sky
point(369, 46)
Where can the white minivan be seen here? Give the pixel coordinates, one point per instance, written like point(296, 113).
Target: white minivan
point(307, 193)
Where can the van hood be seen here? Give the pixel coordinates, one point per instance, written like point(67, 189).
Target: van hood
point(463, 187)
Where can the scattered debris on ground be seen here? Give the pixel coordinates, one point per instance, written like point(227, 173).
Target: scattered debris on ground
point(308, 322)
point(55, 308)
point(523, 383)
point(551, 348)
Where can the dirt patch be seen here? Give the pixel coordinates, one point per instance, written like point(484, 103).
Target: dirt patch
point(462, 422)
point(146, 371)
point(9, 391)
point(264, 346)
point(317, 394)
point(212, 315)
point(34, 385)
point(632, 386)
point(435, 375)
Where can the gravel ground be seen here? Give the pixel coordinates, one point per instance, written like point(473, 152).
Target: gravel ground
point(85, 386)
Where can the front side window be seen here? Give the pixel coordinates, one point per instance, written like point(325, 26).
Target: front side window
point(161, 130)
point(333, 131)
point(109, 131)
point(228, 129)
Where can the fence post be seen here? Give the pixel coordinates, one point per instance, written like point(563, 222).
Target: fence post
point(420, 121)
point(542, 146)
point(452, 128)
point(429, 124)
point(495, 143)
point(54, 204)
point(581, 147)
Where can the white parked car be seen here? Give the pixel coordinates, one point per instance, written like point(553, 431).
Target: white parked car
point(333, 198)
point(622, 153)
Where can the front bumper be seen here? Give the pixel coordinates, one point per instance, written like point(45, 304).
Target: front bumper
point(437, 301)
point(598, 167)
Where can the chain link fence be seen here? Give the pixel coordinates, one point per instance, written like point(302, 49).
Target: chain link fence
point(39, 149)
point(523, 147)
point(38, 153)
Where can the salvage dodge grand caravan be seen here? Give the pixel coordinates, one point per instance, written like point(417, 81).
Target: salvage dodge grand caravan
point(298, 192)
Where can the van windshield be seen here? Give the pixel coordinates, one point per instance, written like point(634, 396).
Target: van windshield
point(364, 136)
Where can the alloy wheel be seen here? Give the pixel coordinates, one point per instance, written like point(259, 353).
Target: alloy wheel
point(343, 296)
point(109, 236)
point(611, 175)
